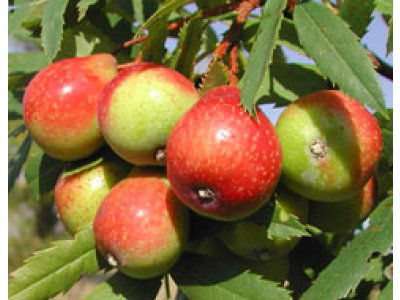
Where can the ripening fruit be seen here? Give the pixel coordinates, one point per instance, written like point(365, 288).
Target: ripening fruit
point(78, 196)
point(139, 108)
point(221, 162)
point(60, 105)
point(331, 145)
point(140, 227)
point(249, 238)
point(344, 215)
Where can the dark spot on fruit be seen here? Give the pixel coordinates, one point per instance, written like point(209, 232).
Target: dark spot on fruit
point(160, 154)
point(318, 149)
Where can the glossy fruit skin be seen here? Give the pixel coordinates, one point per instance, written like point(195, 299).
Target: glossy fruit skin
point(139, 108)
point(218, 147)
point(249, 239)
point(331, 145)
point(78, 196)
point(141, 227)
point(342, 216)
point(60, 105)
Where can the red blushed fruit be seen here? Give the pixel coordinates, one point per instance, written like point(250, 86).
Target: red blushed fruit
point(221, 162)
point(140, 227)
point(60, 105)
point(331, 145)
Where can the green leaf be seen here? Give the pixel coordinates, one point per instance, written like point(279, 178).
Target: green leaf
point(285, 225)
point(26, 62)
point(289, 82)
point(144, 9)
point(120, 287)
point(161, 13)
point(52, 26)
point(25, 12)
point(389, 44)
point(375, 272)
point(358, 14)
point(41, 172)
point(340, 57)
point(190, 39)
point(18, 160)
point(384, 6)
point(153, 49)
point(387, 292)
point(19, 15)
point(83, 6)
point(14, 105)
point(202, 278)
point(351, 265)
point(216, 75)
point(55, 269)
point(261, 53)
point(84, 39)
point(287, 35)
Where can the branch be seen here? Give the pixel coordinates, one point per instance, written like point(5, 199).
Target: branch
point(381, 66)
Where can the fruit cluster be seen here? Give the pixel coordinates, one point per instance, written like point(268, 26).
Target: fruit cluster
point(220, 162)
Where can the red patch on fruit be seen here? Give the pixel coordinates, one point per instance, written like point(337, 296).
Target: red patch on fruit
point(136, 218)
point(218, 147)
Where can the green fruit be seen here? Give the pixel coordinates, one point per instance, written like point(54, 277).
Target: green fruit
point(140, 227)
point(249, 238)
point(78, 196)
point(344, 215)
point(139, 108)
point(331, 145)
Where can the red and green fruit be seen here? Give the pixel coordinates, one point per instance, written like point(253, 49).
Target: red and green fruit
point(140, 227)
point(344, 215)
point(331, 145)
point(249, 239)
point(60, 105)
point(78, 196)
point(139, 108)
point(221, 162)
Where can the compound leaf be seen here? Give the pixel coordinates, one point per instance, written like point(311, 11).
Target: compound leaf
point(202, 278)
point(55, 269)
point(120, 287)
point(352, 263)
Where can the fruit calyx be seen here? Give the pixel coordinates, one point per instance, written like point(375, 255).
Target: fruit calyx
point(112, 261)
point(318, 149)
point(161, 154)
point(206, 195)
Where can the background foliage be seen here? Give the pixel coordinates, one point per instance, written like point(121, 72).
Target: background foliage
point(352, 265)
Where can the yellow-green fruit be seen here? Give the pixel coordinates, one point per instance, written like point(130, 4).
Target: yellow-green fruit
point(139, 108)
point(78, 196)
point(250, 240)
point(344, 215)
